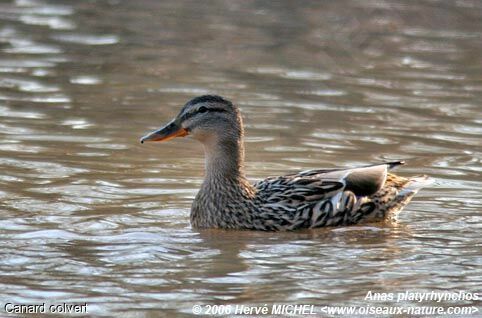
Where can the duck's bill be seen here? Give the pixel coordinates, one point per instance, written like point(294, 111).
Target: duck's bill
point(167, 132)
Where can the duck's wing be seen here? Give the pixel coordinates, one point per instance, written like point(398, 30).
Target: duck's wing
point(322, 197)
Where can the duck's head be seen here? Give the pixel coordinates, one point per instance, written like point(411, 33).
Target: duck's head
point(208, 118)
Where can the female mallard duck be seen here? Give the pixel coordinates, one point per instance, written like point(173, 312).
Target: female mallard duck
point(309, 199)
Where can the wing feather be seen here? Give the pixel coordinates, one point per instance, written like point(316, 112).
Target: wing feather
point(322, 197)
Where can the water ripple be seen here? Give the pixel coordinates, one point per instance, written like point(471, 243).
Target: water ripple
point(87, 39)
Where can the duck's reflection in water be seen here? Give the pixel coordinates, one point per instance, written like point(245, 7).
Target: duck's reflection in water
point(250, 266)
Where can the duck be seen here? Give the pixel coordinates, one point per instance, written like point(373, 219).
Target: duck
point(305, 200)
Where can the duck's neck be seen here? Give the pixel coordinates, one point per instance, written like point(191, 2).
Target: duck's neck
point(224, 161)
point(225, 185)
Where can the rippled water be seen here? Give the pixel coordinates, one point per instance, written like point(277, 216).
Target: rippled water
point(87, 214)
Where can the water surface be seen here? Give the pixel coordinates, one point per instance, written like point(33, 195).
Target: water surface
point(87, 214)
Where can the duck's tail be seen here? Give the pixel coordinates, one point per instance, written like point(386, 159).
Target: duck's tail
point(405, 193)
point(395, 194)
point(414, 184)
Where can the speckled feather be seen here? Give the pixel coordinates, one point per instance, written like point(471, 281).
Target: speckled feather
point(307, 200)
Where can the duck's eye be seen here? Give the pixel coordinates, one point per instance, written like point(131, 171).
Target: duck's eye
point(202, 109)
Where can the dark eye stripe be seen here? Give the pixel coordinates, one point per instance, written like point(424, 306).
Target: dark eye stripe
point(211, 109)
point(219, 110)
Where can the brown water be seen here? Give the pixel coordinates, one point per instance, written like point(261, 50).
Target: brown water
point(88, 214)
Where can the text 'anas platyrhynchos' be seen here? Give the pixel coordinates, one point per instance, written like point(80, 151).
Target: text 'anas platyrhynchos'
point(309, 199)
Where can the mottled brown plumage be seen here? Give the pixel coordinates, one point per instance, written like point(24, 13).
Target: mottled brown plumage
point(309, 199)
